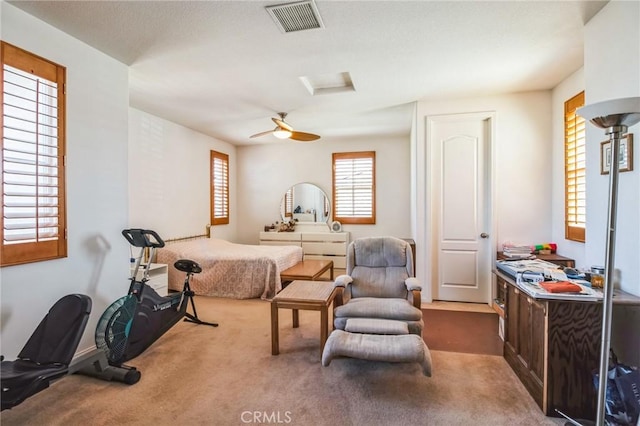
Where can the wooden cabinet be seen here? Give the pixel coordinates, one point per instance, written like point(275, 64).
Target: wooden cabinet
point(524, 340)
point(553, 346)
point(553, 258)
point(500, 295)
point(557, 259)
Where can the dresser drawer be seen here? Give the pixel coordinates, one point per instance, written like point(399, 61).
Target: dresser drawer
point(325, 248)
point(280, 236)
point(325, 236)
point(339, 262)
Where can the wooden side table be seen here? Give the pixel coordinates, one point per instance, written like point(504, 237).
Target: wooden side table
point(310, 270)
point(306, 295)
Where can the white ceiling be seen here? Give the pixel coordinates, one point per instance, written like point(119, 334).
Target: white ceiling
point(224, 68)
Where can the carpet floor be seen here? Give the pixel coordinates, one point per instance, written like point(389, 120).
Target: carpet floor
point(199, 375)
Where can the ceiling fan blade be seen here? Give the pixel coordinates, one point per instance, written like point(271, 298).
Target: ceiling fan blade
point(303, 137)
point(282, 124)
point(261, 134)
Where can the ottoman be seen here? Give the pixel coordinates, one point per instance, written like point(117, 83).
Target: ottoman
point(377, 340)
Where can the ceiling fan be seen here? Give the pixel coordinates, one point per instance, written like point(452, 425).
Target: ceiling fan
point(283, 131)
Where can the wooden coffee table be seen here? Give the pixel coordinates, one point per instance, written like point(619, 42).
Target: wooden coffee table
point(307, 295)
point(310, 270)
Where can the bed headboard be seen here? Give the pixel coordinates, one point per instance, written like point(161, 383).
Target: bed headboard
point(189, 238)
point(180, 240)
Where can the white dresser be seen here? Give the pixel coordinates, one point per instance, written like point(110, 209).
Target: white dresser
point(315, 245)
point(158, 277)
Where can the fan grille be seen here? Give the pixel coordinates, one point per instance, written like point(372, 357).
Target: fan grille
point(113, 328)
point(297, 16)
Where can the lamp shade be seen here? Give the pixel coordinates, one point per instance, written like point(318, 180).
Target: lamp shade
point(615, 112)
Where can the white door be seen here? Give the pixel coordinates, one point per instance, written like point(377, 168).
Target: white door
point(460, 161)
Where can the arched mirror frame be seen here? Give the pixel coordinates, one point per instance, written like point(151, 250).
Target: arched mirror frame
point(320, 210)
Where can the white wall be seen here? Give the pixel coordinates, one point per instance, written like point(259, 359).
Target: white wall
point(265, 172)
point(97, 103)
point(169, 168)
point(521, 177)
point(612, 70)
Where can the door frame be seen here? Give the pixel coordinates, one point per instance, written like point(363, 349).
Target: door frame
point(424, 224)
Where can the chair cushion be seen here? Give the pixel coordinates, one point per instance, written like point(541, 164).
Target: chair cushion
point(371, 307)
point(379, 282)
point(376, 326)
point(377, 252)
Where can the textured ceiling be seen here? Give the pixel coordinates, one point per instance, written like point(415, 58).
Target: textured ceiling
point(224, 68)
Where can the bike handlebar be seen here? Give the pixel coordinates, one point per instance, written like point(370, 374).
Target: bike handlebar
point(140, 238)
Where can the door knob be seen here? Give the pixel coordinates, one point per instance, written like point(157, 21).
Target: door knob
point(484, 235)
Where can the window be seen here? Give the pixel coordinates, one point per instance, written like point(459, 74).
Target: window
point(575, 172)
point(354, 187)
point(219, 188)
point(33, 148)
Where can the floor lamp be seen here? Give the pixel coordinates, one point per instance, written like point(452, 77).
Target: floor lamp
point(615, 116)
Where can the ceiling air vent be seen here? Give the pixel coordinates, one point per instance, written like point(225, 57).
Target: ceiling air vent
point(296, 16)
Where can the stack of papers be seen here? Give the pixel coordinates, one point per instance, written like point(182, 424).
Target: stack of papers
point(516, 251)
point(535, 266)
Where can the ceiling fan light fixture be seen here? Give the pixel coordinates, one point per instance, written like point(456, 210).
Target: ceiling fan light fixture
point(282, 133)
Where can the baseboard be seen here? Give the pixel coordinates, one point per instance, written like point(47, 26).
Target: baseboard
point(84, 352)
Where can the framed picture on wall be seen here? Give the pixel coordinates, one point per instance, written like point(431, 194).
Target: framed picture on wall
point(625, 155)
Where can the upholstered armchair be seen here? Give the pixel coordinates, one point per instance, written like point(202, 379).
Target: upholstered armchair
point(379, 284)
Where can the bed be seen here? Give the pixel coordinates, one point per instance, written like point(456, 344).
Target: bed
point(237, 271)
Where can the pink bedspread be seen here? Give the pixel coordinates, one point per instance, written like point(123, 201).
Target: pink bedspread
point(236, 271)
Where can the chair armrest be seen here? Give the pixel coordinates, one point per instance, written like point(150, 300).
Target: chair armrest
point(342, 280)
point(343, 293)
point(416, 298)
point(412, 283)
point(414, 287)
point(338, 300)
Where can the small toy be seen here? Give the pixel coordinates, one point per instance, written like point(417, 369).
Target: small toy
point(546, 248)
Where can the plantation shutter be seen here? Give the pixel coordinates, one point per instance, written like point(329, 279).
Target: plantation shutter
point(288, 203)
point(219, 188)
point(33, 189)
point(575, 170)
point(354, 187)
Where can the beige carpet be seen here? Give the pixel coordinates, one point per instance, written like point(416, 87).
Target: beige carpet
point(198, 375)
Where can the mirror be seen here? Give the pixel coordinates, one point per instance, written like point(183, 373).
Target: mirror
point(305, 202)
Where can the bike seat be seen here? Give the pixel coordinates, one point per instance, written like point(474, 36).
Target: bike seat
point(189, 266)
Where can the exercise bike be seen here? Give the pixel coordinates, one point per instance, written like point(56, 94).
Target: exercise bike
point(134, 322)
